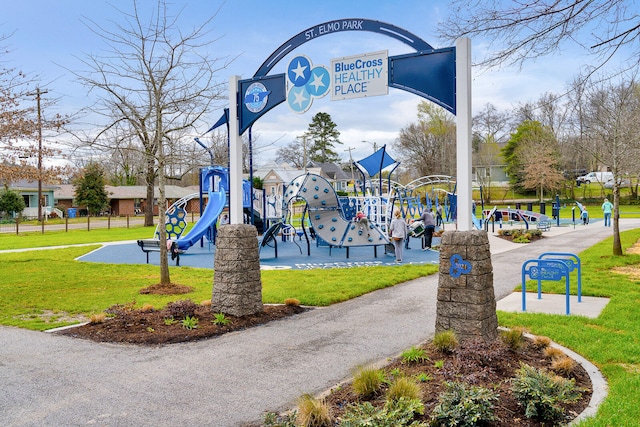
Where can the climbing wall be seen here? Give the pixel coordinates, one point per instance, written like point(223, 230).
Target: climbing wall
point(326, 214)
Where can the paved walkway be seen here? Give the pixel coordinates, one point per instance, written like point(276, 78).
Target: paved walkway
point(59, 381)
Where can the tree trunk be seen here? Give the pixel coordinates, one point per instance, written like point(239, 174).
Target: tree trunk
point(148, 209)
point(617, 244)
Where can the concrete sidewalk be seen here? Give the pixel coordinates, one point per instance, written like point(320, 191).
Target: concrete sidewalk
point(59, 381)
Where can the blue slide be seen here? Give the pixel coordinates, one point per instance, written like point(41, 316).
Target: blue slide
point(217, 200)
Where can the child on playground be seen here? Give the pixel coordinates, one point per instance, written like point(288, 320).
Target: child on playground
point(585, 216)
point(362, 219)
point(398, 232)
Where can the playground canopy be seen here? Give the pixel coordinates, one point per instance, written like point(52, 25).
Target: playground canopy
point(375, 163)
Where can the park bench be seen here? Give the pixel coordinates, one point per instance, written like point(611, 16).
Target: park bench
point(153, 245)
point(544, 225)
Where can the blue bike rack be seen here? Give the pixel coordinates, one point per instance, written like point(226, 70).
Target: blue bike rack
point(551, 266)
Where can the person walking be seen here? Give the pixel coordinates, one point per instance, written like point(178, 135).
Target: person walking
point(429, 227)
point(398, 232)
point(607, 208)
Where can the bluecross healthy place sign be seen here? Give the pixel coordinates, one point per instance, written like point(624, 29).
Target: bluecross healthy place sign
point(360, 76)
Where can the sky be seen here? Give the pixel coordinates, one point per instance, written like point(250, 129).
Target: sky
point(49, 38)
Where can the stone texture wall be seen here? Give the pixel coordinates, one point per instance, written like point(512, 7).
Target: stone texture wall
point(237, 288)
point(466, 304)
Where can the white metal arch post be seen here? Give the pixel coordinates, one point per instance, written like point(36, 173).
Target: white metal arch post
point(463, 133)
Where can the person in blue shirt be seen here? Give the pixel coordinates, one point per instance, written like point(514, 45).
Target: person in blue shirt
point(607, 208)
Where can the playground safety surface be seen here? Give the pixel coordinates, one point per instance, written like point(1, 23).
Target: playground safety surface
point(291, 255)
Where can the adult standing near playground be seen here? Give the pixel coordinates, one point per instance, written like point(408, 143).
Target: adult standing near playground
point(439, 217)
point(398, 232)
point(607, 208)
point(429, 227)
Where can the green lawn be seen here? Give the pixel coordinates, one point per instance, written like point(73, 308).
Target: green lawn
point(40, 288)
point(612, 341)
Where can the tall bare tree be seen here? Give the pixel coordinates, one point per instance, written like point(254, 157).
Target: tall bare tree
point(612, 129)
point(156, 82)
point(22, 151)
point(518, 31)
point(428, 146)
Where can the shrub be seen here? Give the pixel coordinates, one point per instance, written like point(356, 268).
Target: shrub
point(367, 381)
point(395, 413)
point(414, 355)
point(542, 393)
point(220, 319)
point(313, 412)
point(553, 353)
point(271, 419)
point(292, 301)
point(403, 387)
point(182, 309)
point(513, 338)
point(97, 318)
point(541, 342)
point(563, 365)
point(464, 405)
point(190, 322)
point(168, 321)
point(146, 308)
point(445, 341)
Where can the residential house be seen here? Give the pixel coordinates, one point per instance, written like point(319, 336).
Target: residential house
point(128, 200)
point(29, 192)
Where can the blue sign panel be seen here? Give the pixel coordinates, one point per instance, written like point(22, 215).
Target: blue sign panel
point(431, 75)
point(257, 96)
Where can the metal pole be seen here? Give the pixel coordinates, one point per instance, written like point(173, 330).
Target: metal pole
point(463, 132)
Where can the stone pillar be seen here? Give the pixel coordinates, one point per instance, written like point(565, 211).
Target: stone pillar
point(466, 299)
point(237, 289)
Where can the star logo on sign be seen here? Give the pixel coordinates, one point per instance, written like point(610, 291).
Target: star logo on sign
point(319, 81)
point(299, 100)
point(299, 70)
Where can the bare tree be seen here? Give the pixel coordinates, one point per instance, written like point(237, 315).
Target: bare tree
point(612, 130)
point(23, 126)
point(519, 31)
point(155, 83)
point(490, 132)
point(293, 154)
point(428, 146)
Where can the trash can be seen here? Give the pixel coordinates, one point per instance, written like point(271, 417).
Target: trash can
point(530, 207)
point(71, 212)
point(543, 208)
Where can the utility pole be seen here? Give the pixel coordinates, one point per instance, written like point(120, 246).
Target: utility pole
point(375, 146)
point(38, 94)
point(304, 148)
point(353, 180)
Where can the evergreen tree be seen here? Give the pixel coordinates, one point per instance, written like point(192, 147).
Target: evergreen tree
point(10, 202)
point(323, 135)
point(90, 189)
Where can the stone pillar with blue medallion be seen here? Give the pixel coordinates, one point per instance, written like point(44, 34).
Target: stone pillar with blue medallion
point(466, 299)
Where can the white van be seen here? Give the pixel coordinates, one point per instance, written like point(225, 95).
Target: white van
point(601, 177)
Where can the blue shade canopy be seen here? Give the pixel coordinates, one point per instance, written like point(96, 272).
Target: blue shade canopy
point(376, 162)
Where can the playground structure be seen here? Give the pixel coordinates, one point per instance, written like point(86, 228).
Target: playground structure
point(214, 182)
point(327, 216)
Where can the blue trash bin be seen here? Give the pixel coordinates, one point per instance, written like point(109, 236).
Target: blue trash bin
point(71, 212)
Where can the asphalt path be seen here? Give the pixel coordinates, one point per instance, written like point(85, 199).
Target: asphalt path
point(52, 380)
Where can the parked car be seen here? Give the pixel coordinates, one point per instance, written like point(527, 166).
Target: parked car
point(623, 183)
point(594, 177)
point(573, 173)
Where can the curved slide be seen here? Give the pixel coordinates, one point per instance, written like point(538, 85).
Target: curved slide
point(217, 200)
point(326, 216)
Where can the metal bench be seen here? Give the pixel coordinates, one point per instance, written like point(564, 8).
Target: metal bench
point(544, 226)
point(153, 245)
